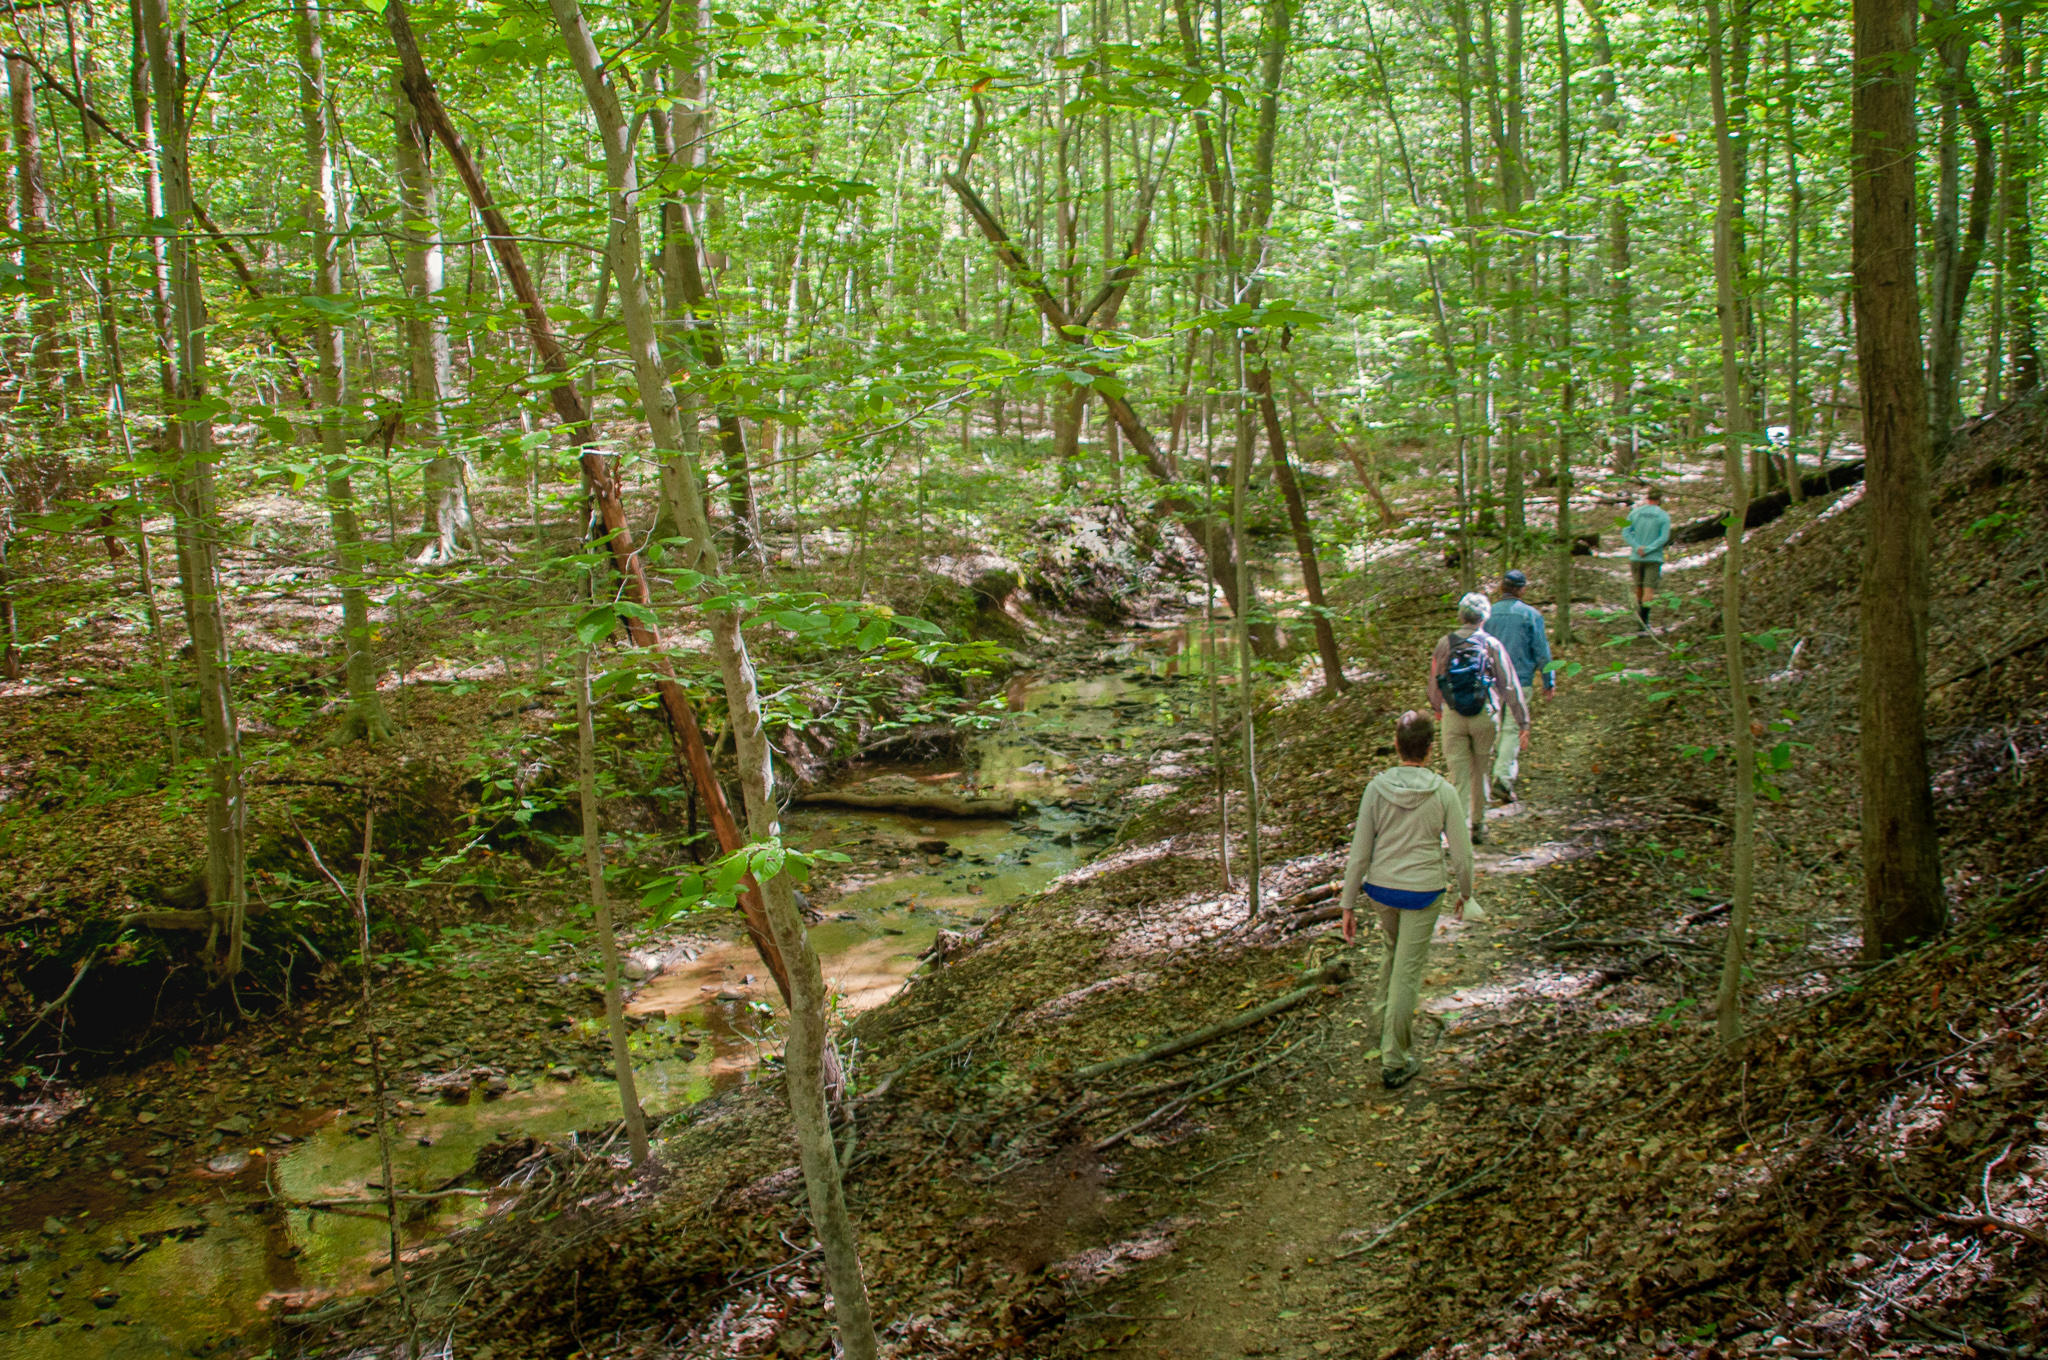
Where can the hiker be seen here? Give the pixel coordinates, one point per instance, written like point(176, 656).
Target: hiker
point(1518, 627)
point(1397, 854)
point(1649, 529)
point(1472, 676)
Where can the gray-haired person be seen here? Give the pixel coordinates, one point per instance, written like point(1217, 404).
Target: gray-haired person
point(1471, 676)
point(1406, 819)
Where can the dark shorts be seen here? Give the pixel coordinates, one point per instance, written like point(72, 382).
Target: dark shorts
point(1647, 574)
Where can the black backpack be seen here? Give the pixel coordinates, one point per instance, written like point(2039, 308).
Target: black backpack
point(1468, 675)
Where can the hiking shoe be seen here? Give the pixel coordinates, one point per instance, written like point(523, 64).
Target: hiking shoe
point(1479, 835)
point(1394, 1078)
point(1503, 790)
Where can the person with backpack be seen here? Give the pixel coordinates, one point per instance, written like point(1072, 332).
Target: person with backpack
point(1647, 531)
point(1470, 675)
point(1518, 627)
point(1406, 817)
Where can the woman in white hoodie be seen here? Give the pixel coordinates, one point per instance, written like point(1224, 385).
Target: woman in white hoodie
point(1405, 819)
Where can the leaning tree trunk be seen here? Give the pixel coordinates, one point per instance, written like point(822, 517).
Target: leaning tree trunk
point(189, 448)
point(574, 414)
point(366, 717)
point(1261, 381)
point(1903, 900)
point(804, 1054)
point(1735, 427)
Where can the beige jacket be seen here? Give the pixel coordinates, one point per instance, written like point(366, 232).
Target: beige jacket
point(1404, 818)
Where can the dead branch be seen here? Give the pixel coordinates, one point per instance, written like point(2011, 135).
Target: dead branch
point(1175, 1107)
point(47, 1011)
point(1336, 971)
point(1438, 1198)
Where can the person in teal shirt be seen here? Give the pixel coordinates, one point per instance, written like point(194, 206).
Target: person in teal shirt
point(1649, 529)
point(1518, 627)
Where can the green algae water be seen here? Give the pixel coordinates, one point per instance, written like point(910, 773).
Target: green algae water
point(202, 1273)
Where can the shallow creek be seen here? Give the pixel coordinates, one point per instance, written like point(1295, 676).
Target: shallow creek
point(195, 1269)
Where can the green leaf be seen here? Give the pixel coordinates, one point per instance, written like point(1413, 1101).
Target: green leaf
point(597, 623)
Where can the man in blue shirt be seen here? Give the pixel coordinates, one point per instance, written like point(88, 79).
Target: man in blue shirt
point(1518, 627)
point(1648, 530)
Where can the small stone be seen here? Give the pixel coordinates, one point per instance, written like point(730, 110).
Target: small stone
point(105, 1297)
point(234, 1124)
point(54, 1227)
point(228, 1163)
point(563, 1073)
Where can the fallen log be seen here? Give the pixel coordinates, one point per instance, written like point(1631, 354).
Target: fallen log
point(1313, 916)
point(1336, 971)
point(1764, 509)
point(1308, 897)
point(925, 804)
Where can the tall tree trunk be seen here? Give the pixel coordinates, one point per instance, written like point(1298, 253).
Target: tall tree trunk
point(446, 517)
point(1568, 393)
point(366, 717)
point(1737, 42)
point(804, 1054)
point(1735, 426)
point(1795, 340)
point(1903, 900)
point(1958, 244)
point(1514, 188)
point(1621, 444)
point(2018, 121)
point(32, 220)
point(1259, 374)
point(570, 408)
point(189, 448)
point(601, 913)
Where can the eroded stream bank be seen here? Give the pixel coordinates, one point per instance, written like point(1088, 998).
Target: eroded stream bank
point(162, 1213)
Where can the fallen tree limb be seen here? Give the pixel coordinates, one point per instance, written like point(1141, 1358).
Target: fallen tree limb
point(1308, 897)
point(1336, 971)
point(403, 1197)
point(934, 804)
point(46, 1012)
point(2032, 1234)
point(1438, 1198)
point(1175, 1107)
point(933, 1055)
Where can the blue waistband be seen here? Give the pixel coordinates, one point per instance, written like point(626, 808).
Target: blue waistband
point(1403, 898)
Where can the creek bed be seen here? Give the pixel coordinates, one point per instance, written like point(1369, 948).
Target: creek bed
point(196, 1269)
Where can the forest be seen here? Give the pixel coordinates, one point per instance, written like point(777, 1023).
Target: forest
point(1028, 677)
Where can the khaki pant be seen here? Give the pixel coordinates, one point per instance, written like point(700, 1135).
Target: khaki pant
point(1407, 935)
point(1507, 746)
point(1468, 751)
